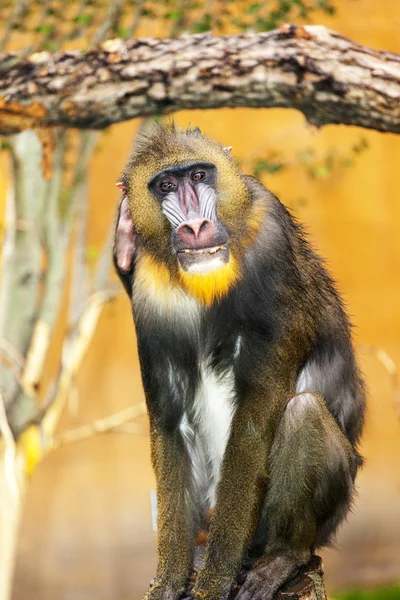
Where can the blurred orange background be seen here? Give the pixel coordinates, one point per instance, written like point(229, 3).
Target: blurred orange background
point(86, 532)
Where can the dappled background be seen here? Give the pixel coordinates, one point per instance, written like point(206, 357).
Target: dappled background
point(86, 529)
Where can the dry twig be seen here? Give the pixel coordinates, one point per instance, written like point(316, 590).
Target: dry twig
point(110, 423)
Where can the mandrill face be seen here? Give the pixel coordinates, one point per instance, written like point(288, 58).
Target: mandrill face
point(186, 218)
point(188, 198)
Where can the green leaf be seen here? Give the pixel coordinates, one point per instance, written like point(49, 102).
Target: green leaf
point(4, 145)
point(326, 6)
point(253, 8)
point(146, 12)
point(321, 172)
point(174, 15)
point(347, 161)
point(306, 155)
point(205, 24)
point(360, 146)
point(261, 24)
point(46, 29)
point(50, 45)
point(122, 32)
point(83, 19)
point(239, 23)
point(267, 166)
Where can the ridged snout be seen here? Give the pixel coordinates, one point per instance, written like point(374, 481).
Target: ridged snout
point(197, 233)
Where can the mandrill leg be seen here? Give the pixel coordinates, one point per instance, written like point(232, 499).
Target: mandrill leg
point(312, 468)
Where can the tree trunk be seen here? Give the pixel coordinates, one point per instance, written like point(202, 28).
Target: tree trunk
point(326, 76)
point(12, 485)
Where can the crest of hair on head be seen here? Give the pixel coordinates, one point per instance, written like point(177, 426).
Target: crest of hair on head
point(165, 146)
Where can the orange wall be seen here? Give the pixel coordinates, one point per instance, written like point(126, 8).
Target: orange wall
point(87, 525)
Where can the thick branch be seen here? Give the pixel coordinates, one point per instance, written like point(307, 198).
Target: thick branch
point(328, 77)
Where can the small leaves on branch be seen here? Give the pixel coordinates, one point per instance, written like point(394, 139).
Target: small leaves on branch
point(53, 25)
point(316, 166)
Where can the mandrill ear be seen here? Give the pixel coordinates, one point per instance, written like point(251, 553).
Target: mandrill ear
point(121, 186)
point(125, 238)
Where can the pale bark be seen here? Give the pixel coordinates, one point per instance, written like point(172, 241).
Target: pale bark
point(12, 486)
point(40, 216)
point(10, 515)
point(326, 76)
point(21, 266)
point(55, 241)
point(57, 229)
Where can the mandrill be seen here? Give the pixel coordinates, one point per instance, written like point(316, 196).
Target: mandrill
point(254, 397)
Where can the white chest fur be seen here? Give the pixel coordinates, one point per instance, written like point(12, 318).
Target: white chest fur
point(206, 433)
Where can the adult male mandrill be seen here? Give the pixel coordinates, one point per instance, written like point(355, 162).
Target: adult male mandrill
point(254, 397)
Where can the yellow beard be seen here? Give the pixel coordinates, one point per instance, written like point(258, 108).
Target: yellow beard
point(211, 286)
point(153, 278)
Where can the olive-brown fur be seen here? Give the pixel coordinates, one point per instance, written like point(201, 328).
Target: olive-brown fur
point(167, 146)
point(280, 334)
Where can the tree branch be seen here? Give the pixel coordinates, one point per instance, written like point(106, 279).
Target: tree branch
point(56, 237)
point(111, 423)
point(21, 266)
point(19, 9)
point(74, 350)
point(113, 14)
point(326, 76)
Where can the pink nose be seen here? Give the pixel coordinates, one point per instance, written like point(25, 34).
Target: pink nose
point(196, 233)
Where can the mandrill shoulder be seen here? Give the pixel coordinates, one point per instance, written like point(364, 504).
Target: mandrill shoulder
point(281, 263)
point(276, 233)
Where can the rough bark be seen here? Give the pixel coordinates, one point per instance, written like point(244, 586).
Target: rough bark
point(310, 586)
point(307, 586)
point(326, 76)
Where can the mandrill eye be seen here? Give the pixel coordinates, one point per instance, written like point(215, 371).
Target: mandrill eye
point(167, 186)
point(198, 176)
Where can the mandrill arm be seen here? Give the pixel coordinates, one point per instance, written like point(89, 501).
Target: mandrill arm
point(253, 392)
point(175, 522)
point(242, 486)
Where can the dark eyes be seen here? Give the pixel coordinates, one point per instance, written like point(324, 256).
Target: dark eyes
point(198, 176)
point(167, 186)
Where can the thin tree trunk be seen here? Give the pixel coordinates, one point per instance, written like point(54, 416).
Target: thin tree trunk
point(12, 487)
point(10, 514)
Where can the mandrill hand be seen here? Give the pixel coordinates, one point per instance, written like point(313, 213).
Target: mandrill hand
point(212, 586)
point(270, 573)
point(159, 590)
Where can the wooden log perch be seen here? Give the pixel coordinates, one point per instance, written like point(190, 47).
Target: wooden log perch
point(317, 71)
point(308, 586)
